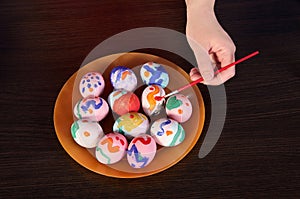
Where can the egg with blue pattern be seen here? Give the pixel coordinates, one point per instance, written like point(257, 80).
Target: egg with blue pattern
point(167, 132)
point(91, 85)
point(141, 151)
point(154, 73)
point(91, 108)
point(122, 77)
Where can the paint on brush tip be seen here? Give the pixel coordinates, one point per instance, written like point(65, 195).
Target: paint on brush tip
point(158, 98)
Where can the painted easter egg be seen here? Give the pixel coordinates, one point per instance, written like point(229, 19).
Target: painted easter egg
point(122, 101)
point(111, 148)
point(179, 108)
point(91, 84)
point(141, 151)
point(131, 124)
point(167, 132)
point(122, 77)
point(86, 133)
point(94, 109)
point(154, 73)
point(150, 104)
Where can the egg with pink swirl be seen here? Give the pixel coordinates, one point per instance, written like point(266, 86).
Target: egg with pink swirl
point(150, 103)
point(92, 108)
point(179, 108)
point(91, 84)
point(111, 148)
point(141, 151)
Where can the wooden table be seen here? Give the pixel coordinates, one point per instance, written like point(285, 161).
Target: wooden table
point(44, 42)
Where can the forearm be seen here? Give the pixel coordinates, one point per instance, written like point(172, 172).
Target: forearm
point(200, 9)
point(200, 4)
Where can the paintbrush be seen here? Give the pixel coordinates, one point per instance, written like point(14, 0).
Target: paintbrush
point(158, 98)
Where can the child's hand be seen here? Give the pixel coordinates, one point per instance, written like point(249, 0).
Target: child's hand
point(212, 46)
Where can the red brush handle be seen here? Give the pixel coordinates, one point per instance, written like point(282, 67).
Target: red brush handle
point(219, 71)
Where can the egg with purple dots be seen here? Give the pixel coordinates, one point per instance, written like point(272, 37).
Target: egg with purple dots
point(92, 108)
point(131, 124)
point(154, 73)
point(141, 151)
point(122, 102)
point(151, 105)
point(91, 84)
point(167, 132)
point(111, 148)
point(179, 108)
point(122, 77)
point(86, 133)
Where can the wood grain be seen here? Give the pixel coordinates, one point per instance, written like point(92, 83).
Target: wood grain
point(44, 42)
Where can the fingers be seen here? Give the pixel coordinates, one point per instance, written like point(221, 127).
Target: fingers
point(221, 53)
point(224, 59)
point(204, 62)
point(194, 74)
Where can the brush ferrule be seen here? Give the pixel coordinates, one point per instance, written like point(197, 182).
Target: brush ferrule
point(172, 93)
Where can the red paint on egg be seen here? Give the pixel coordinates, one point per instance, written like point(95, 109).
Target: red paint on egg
point(126, 103)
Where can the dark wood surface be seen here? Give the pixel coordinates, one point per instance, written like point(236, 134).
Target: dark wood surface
point(257, 156)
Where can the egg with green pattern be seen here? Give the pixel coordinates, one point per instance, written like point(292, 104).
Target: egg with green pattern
point(167, 132)
point(86, 133)
point(179, 108)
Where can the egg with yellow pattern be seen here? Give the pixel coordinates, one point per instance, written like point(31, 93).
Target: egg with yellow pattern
point(131, 124)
